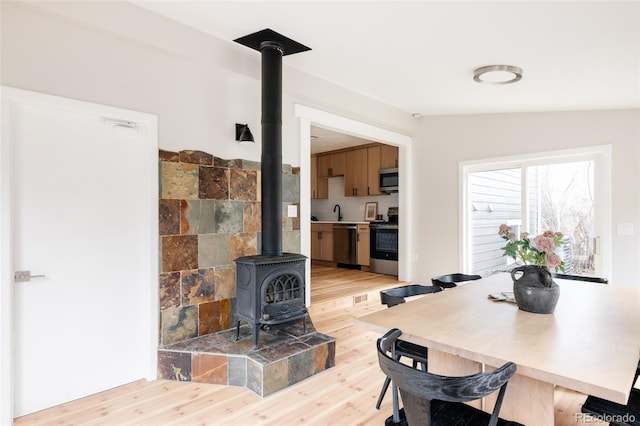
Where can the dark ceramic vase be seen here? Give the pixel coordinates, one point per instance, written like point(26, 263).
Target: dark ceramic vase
point(534, 290)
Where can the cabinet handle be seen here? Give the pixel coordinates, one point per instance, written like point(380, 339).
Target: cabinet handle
point(368, 191)
point(320, 235)
point(330, 171)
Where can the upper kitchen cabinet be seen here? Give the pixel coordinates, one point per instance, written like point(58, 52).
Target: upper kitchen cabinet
point(374, 162)
point(388, 156)
point(356, 177)
point(319, 185)
point(330, 165)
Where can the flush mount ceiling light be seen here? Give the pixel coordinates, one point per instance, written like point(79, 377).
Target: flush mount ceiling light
point(243, 134)
point(497, 74)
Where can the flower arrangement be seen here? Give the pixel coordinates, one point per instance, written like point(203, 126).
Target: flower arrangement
point(540, 251)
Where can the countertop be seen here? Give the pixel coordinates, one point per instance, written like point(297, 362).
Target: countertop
point(346, 222)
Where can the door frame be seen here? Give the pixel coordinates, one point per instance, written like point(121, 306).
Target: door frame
point(9, 98)
point(602, 157)
point(308, 116)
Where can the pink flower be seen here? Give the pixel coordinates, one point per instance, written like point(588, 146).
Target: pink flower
point(512, 236)
point(552, 260)
point(548, 234)
point(524, 235)
point(544, 243)
point(504, 229)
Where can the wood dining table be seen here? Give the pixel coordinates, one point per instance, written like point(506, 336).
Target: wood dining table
point(590, 343)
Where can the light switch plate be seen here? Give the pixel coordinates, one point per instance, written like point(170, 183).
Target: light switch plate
point(292, 210)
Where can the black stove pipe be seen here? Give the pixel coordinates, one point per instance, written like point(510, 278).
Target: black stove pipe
point(271, 148)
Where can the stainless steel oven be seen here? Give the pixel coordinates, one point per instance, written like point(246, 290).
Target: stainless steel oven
point(384, 248)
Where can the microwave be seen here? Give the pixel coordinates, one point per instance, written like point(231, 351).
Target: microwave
point(389, 180)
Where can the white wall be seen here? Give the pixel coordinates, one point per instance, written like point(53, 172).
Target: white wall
point(118, 54)
point(442, 142)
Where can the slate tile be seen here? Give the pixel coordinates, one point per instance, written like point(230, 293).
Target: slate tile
point(178, 181)
point(207, 368)
point(196, 157)
point(179, 252)
point(225, 279)
point(168, 156)
point(174, 366)
point(243, 244)
point(198, 286)
point(213, 250)
point(169, 217)
point(213, 183)
point(179, 324)
point(197, 216)
point(228, 216)
point(252, 217)
point(169, 290)
point(243, 185)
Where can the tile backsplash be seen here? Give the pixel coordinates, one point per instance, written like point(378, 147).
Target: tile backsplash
point(352, 208)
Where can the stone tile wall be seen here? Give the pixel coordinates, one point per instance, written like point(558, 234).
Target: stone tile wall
point(209, 216)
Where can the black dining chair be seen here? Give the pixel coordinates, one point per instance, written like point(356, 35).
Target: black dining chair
point(417, 353)
point(580, 278)
point(450, 280)
point(617, 414)
point(431, 399)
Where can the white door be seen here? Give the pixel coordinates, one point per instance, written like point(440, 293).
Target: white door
point(83, 203)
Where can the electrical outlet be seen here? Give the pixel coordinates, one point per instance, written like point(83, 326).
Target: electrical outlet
point(292, 210)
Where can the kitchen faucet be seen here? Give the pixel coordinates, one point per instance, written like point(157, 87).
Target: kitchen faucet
point(337, 206)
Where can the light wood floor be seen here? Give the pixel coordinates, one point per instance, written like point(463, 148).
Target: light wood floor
point(343, 395)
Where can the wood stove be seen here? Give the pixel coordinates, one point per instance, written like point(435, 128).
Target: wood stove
point(270, 292)
point(270, 288)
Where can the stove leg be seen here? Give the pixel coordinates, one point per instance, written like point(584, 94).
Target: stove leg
point(304, 325)
point(256, 330)
point(238, 331)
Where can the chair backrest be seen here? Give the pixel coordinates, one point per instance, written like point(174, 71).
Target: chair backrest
point(450, 280)
point(580, 278)
point(395, 296)
point(418, 388)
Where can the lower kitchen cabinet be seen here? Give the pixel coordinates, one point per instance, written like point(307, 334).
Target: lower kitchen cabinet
point(322, 241)
point(364, 238)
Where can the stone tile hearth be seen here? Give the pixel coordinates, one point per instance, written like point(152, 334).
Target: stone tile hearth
point(284, 357)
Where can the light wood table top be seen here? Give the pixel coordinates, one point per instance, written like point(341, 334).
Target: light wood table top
point(591, 343)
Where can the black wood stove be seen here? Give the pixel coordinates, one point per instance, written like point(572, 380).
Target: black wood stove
point(270, 287)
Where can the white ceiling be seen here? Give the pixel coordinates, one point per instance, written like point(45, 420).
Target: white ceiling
point(419, 56)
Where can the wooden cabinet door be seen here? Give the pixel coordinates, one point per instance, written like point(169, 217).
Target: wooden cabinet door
point(355, 173)
point(326, 243)
point(324, 162)
point(314, 176)
point(364, 239)
point(322, 241)
point(388, 156)
point(316, 251)
point(337, 164)
point(319, 185)
point(373, 170)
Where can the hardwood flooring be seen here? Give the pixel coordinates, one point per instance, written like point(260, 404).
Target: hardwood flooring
point(343, 395)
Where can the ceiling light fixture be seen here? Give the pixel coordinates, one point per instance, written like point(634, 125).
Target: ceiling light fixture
point(497, 74)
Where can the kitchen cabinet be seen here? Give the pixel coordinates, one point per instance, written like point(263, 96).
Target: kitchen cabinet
point(322, 241)
point(388, 156)
point(356, 179)
point(364, 238)
point(373, 170)
point(330, 165)
point(319, 185)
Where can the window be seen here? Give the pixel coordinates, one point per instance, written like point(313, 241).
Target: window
point(532, 195)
